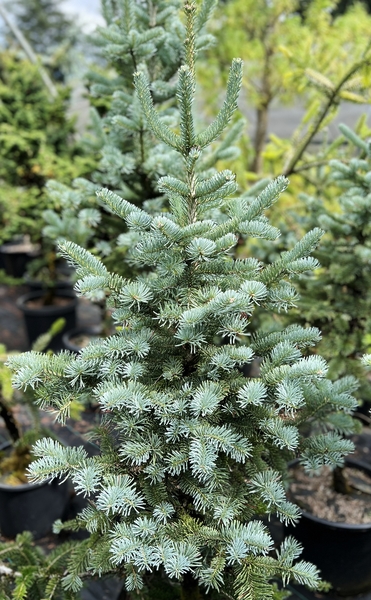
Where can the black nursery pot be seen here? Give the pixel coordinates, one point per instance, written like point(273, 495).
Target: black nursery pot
point(341, 551)
point(14, 258)
point(39, 319)
point(69, 337)
point(31, 506)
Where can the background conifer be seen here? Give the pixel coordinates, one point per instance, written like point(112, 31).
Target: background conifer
point(337, 298)
point(51, 33)
point(36, 144)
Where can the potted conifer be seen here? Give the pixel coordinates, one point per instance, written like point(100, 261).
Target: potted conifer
point(35, 145)
point(192, 452)
point(335, 524)
point(24, 505)
point(130, 157)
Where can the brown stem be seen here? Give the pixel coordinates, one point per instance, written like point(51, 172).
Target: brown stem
point(260, 137)
point(309, 165)
point(124, 594)
point(190, 589)
point(341, 483)
point(266, 95)
point(10, 422)
point(52, 265)
point(307, 138)
point(48, 298)
point(266, 92)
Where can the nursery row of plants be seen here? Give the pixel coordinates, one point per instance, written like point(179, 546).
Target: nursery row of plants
point(233, 279)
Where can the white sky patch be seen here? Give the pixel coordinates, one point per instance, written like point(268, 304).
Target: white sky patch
point(88, 12)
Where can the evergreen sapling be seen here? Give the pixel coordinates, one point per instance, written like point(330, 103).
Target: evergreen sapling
point(131, 158)
point(149, 34)
point(35, 145)
point(191, 451)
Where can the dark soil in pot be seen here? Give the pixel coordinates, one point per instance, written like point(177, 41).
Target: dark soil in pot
point(39, 317)
point(31, 506)
point(335, 528)
point(78, 338)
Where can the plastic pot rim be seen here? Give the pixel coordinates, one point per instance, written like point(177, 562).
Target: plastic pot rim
point(66, 337)
point(23, 487)
point(60, 293)
point(12, 248)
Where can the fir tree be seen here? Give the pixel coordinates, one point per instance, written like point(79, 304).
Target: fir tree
point(27, 573)
point(34, 130)
point(43, 23)
point(131, 159)
point(192, 452)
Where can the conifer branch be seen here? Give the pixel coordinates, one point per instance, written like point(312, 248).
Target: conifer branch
point(189, 42)
point(225, 114)
point(84, 261)
point(185, 95)
point(161, 130)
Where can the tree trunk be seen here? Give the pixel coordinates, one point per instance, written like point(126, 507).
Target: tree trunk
point(124, 594)
point(341, 482)
point(266, 96)
point(10, 422)
point(260, 137)
point(190, 589)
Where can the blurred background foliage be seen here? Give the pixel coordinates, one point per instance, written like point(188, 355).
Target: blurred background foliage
point(53, 35)
point(37, 143)
point(296, 55)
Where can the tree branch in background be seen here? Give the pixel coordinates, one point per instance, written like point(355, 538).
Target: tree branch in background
point(28, 51)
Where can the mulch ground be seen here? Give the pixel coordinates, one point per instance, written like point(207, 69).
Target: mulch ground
point(13, 335)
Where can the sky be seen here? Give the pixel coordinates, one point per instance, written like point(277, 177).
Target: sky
point(88, 12)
